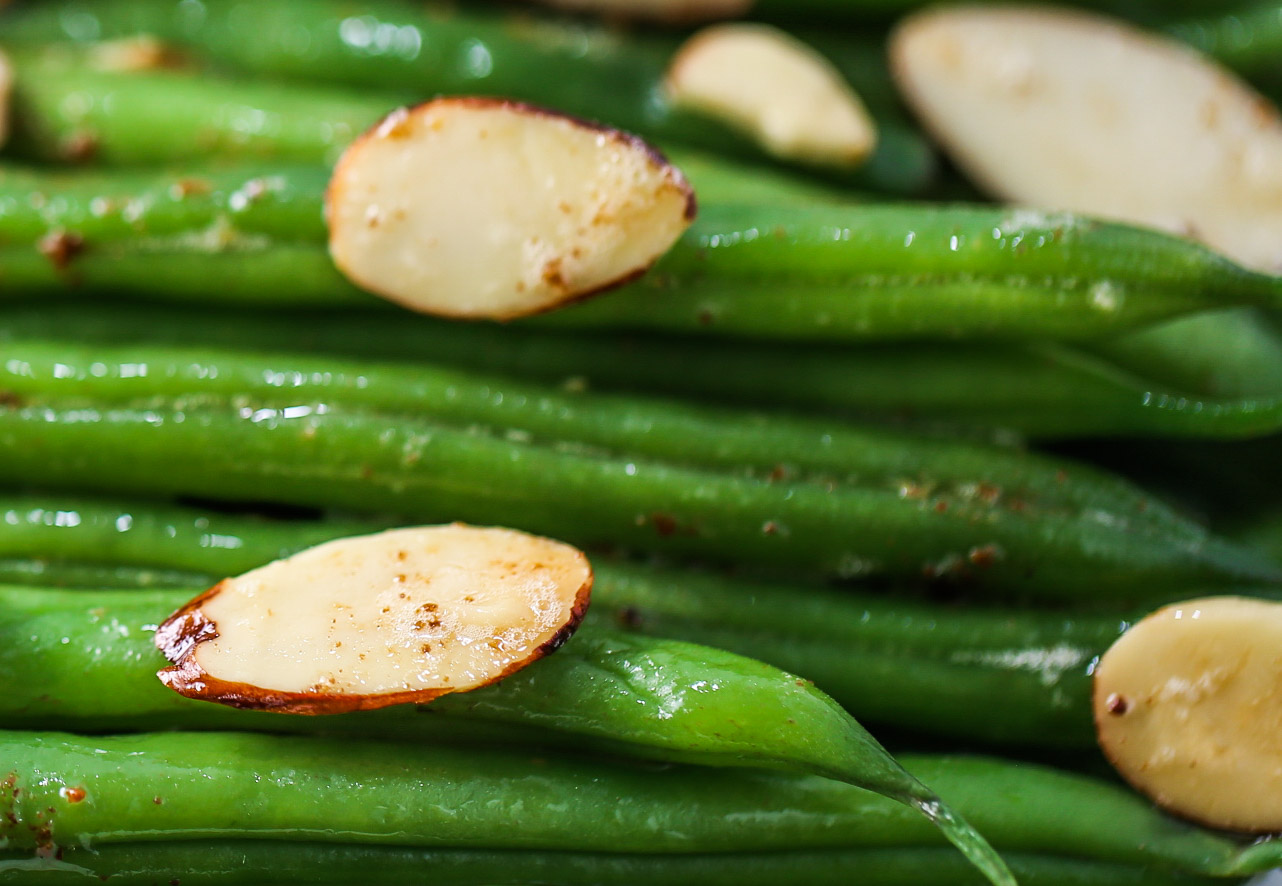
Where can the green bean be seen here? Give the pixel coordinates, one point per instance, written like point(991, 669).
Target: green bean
point(281, 788)
point(423, 468)
point(1206, 375)
point(821, 273)
point(79, 114)
point(756, 444)
point(235, 237)
point(920, 666)
point(210, 863)
point(650, 697)
point(61, 574)
point(149, 535)
point(406, 53)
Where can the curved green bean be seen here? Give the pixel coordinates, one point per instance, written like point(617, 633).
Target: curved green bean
point(225, 785)
point(914, 665)
point(654, 698)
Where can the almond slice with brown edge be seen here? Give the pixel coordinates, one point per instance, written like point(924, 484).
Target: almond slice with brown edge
point(1188, 707)
point(401, 616)
point(482, 208)
point(779, 91)
point(1069, 110)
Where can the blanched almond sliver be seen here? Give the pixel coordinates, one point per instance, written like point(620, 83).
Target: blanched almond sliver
point(775, 88)
point(1188, 707)
point(402, 616)
point(1068, 110)
point(491, 209)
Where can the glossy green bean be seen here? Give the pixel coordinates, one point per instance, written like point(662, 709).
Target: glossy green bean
point(424, 470)
point(46, 572)
point(292, 788)
point(834, 273)
point(909, 665)
point(82, 115)
point(648, 697)
point(755, 444)
point(404, 53)
point(1212, 374)
point(217, 863)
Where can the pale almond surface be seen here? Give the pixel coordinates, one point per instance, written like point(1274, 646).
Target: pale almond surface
point(775, 88)
point(1067, 110)
point(489, 209)
point(1188, 707)
point(404, 615)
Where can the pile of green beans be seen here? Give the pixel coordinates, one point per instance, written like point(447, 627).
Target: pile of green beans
point(180, 338)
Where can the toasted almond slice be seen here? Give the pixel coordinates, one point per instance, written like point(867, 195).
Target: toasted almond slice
point(479, 208)
point(1071, 110)
point(1188, 707)
point(778, 90)
point(402, 616)
point(669, 11)
point(6, 92)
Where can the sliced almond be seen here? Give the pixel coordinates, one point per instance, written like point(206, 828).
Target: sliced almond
point(402, 616)
point(491, 209)
point(670, 11)
point(790, 99)
point(1188, 707)
point(1069, 110)
point(6, 93)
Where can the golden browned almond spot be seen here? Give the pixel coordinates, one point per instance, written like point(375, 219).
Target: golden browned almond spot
point(402, 616)
point(776, 89)
point(671, 11)
point(1068, 110)
point(484, 208)
point(6, 92)
point(1188, 707)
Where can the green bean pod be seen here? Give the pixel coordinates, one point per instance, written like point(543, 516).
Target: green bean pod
point(78, 114)
point(607, 489)
point(647, 697)
point(1213, 374)
point(102, 792)
point(910, 665)
point(400, 52)
point(780, 447)
point(821, 273)
point(222, 862)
